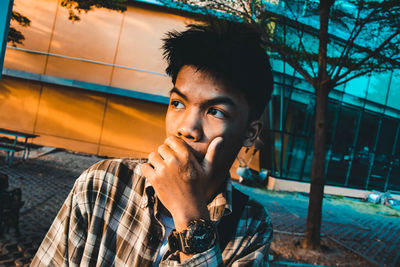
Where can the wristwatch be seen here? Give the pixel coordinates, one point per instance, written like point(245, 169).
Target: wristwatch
point(198, 237)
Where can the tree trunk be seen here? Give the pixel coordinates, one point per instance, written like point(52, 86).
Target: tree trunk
point(322, 87)
point(313, 228)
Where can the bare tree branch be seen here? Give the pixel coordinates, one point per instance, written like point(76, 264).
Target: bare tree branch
point(350, 42)
point(369, 56)
point(352, 77)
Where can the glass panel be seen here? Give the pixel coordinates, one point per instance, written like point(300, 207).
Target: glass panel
point(277, 65)
point(391, 112)
point(394, 179)
point(336, 95)
point(363, 151)
point(294, 157)
point(340, 87)
point(341, 151)
point(353, 100)
point(289, 70)
point(277, 78)
point(303, 97)
point(331, 115)
point(308, 160)
point(277, 153)
point(378, 87)
point(383, 154)
point(357, 86)
point(394, 92)
point(296, 125)
point(296, 117)
point(372, 106)
point(276, 112)
point(303, 85)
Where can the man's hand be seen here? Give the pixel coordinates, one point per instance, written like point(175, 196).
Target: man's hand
point(180, 180)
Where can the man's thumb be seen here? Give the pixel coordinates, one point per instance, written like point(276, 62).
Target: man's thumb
point(211, 154)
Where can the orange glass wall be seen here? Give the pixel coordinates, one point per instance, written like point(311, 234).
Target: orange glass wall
point(107, 48)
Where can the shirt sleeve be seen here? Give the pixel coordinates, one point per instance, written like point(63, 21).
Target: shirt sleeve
point(248, 250)
point(64, 243)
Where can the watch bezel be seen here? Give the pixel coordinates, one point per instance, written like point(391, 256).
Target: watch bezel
point(198, 237)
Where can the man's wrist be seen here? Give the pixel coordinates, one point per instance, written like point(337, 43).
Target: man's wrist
point(182, 221)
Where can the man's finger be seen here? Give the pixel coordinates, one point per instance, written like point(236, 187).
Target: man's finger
point(166, 153)
point(211, 154)
point(155, 160)
point(147, 170)
point(180, 148)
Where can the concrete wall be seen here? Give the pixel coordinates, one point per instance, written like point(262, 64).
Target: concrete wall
point(294, 186)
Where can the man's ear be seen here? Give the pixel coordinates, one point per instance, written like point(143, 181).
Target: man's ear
point(253, 131)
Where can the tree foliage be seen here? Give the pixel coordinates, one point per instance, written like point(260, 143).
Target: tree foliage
point(75, 8)
point(14, 35)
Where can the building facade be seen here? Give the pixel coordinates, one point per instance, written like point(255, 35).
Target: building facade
point(363, 130)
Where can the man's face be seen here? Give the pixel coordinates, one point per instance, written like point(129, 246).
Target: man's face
point(200, 110)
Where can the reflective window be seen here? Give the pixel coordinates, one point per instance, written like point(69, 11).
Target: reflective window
point(297, 125)
point(394, 92)
point(383, 154)
point(306, 175)
point(394, 178)
point(294, 157)
point(341, 151)
point(363, 152)
point(357, 86)
point(378, 87)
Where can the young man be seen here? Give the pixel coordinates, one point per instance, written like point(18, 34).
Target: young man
point(179, 206)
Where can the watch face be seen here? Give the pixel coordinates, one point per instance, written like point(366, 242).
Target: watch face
point(200, 237)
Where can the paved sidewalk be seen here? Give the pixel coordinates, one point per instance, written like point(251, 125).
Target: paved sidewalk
point(373, 236)
point(47, 180)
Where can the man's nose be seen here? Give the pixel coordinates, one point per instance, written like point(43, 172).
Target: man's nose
point(190, 128)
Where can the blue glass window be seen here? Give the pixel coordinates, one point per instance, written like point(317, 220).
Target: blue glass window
point(394, 92)
point(378, 87)
point(357, 86)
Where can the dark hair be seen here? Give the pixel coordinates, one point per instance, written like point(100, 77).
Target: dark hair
point(230, 52)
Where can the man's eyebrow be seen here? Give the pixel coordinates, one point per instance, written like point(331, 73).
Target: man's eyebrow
point(176, 91)
point(221, 100)
point(210, 102)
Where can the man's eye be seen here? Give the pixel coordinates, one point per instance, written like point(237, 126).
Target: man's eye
point(177, 104)
point(216, 113)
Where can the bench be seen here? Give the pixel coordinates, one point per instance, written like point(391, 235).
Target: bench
point(12, 145)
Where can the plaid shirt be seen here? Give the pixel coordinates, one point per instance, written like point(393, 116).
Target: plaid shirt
point(110, 218)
